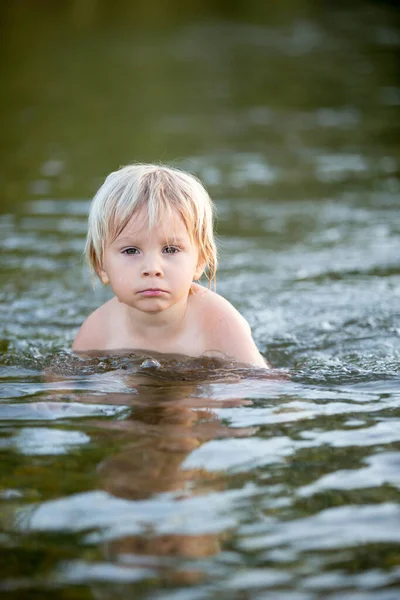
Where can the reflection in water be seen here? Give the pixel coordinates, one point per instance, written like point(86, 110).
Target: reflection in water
point(166, 424)
point(182, 480)
point(165, 432)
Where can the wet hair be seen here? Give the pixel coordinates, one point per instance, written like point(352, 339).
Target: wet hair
point(161, 191)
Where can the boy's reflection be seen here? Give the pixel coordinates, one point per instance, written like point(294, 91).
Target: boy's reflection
point(166, 425)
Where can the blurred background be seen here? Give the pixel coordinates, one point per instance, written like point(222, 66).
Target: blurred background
point(290, 98)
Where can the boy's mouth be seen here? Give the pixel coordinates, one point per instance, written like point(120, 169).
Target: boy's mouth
point(152, 292)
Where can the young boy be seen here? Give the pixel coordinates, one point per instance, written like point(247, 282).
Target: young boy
point(151, 237)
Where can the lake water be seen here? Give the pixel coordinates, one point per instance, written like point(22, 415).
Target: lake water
point(199, 479)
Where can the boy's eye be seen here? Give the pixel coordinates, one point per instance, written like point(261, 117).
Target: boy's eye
point(171, 249)
point(130, 251)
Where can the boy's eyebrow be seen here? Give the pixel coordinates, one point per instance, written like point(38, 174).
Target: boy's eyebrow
point(175, 240)
point(167, 240)
point(123, 240)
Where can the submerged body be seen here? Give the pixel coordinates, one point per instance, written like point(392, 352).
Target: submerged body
point(151, 264)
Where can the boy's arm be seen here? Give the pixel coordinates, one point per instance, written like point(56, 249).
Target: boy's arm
point(230, 333)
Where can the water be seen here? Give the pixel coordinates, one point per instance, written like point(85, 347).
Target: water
point(163, 477)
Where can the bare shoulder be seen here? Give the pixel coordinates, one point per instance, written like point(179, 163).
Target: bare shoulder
point(218, 309)
point(226, 330)
point(92, 334)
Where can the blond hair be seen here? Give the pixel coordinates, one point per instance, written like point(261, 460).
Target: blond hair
point(161, 191)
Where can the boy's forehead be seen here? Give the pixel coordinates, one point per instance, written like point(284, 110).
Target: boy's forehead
point(171, 225)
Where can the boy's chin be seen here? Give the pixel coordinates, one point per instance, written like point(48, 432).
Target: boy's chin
point(148, 305)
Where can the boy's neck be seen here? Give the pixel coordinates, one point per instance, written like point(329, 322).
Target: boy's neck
point(152, 326)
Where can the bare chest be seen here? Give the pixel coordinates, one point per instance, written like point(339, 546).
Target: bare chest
point(189, 340)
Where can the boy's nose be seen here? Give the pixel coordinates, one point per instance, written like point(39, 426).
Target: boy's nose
point(152, 271)
point(151, 265)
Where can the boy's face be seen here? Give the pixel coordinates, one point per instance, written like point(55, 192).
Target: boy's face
point(151, 269)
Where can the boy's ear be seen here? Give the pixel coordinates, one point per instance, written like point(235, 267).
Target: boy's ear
point(104, 277)
point(199, 270)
